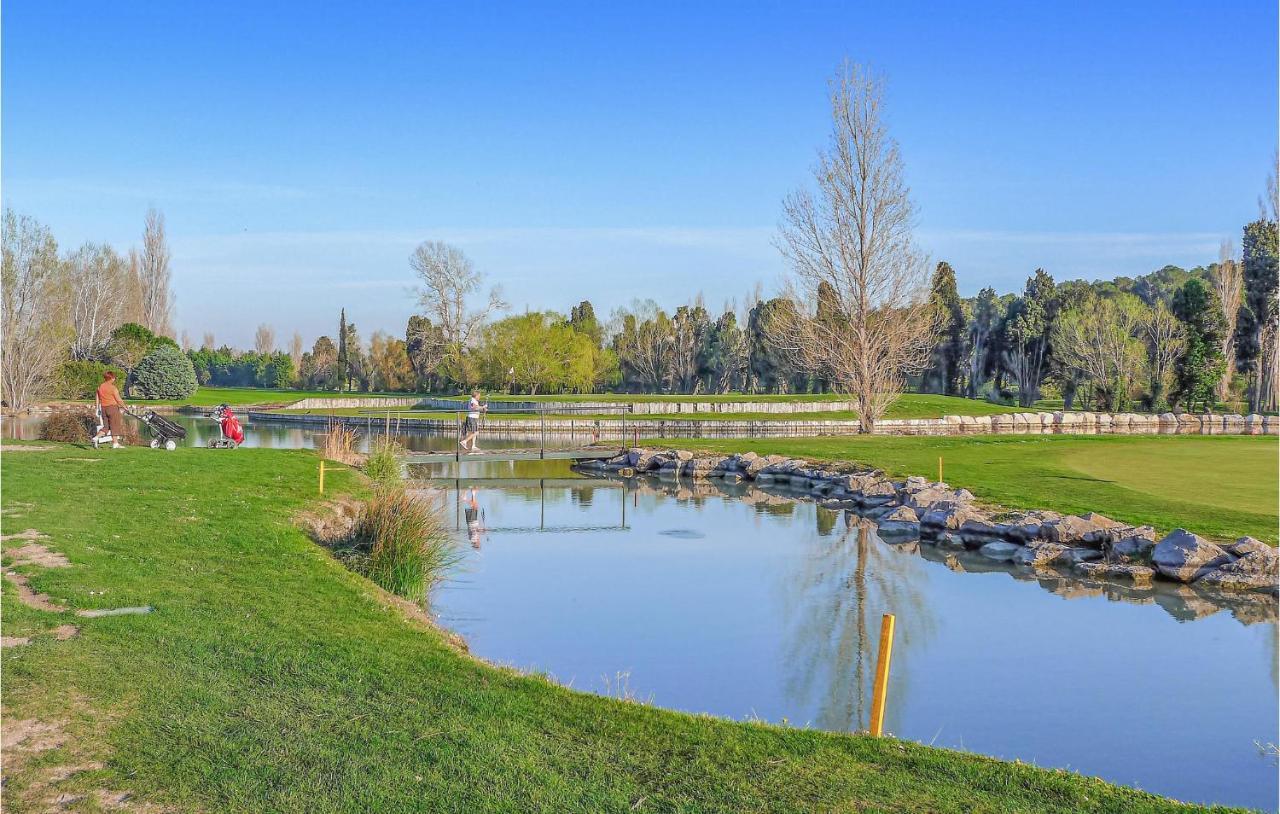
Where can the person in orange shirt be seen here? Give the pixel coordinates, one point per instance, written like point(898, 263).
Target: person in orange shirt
point(112, 407)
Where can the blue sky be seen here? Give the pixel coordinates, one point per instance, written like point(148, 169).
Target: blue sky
point(299, 151)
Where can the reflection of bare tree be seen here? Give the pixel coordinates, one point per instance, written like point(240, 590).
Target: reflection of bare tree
point(836, 600)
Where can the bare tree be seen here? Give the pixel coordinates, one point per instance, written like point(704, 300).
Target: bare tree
point(186, 340)
point(854, 240)
point(1165, 343)
point(99, 283)
point(295, 350)
point(155, 277)
point(264, 339)
point(449, 285)
point(1102, 340)
point(206, 341)
point(35, 310)
point(1228, 281)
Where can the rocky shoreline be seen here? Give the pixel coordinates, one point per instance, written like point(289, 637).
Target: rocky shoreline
point(915, 510)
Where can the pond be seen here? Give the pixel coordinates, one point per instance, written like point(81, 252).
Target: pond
point(744, 604)
point(749, 604)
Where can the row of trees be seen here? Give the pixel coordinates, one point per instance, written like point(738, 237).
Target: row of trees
point(64, 313)
point(1173, 338)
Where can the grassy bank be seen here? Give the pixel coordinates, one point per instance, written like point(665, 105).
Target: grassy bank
point(1219, 486)
point(270, 678)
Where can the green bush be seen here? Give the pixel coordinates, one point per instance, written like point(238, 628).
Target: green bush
point(69, 426)
point(165, 373)
point(80, 379)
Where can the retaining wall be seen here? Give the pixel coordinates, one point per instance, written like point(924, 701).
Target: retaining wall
point(1059, 423)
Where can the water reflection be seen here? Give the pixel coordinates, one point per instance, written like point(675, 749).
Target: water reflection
point(742, 602)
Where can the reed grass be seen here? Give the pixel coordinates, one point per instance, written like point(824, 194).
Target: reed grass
point(338, 443)
point(384, 464)
point(402, 542)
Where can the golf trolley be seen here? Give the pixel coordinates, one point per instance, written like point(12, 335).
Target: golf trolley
point(164, 433)
point(230, 433)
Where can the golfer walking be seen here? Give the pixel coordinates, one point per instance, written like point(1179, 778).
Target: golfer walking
point(471, 429)
point(112, 408)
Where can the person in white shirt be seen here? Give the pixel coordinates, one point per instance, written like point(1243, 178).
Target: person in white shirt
point(471, 429)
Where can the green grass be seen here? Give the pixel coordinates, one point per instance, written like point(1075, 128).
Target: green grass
point(269, 678)
point(911, 405)
point(1219, 486)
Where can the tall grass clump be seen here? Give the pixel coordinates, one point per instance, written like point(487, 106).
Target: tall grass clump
point(384, 463)
point(338, 443)
point(402, 542)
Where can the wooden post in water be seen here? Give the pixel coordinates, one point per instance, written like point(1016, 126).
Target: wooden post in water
point(881, 687)
point(322, 476)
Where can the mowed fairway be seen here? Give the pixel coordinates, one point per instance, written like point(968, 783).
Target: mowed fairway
point(1219, 486)
point(268, 678)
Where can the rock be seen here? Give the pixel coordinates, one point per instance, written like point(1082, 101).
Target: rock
point(1256, 571)
point(684, 455)
point(900, 522)
point(1186, 557)
point(878, 493)
point(915, 483)
point(999, 550)
point(1139, 575)
point(950, 540)
point(1088, 529)
point(1041, 554)
point(979, 530)
point(922, 499)
point(948, 515)
point(758, 464)
point(703, 467)
point(1248, 545)
point(1078, 555)
point(733, 477)
point(1131, 548)
point(650, 459)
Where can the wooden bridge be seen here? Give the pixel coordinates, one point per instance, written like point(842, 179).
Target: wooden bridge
point(518, 454)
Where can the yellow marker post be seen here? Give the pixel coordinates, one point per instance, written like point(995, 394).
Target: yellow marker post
point(322, 476)
point(882, 675)
point(939, 469)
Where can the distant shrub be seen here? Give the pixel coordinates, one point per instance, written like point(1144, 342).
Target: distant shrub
point(69, 426)
point(383, 466)
point(165, 373)
point(80, 379)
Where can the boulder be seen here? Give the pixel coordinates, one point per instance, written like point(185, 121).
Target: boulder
point(1084, 555)
point(1256, 571)
point(754, 466)
point(1186, 557)
point(922, 499)
point(1087, 529)
point(901, 522)
point(1139, 575)
point(684, 455)
point(1248, 545)
point(1133, 547)
point(703, 467)
point(979, 530)
point(878, 493)
point(1000, 550)
point(1039, 555)
point(948, 515)
point(651, 459)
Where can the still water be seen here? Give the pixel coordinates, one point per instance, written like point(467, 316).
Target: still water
point(745, 604)
point(748, 604)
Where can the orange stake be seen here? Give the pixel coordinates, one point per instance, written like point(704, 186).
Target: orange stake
point(881, 688)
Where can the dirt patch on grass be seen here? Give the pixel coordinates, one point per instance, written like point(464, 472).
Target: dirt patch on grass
point(15, 508)
point(14, 641)
point(31, 598)
point(29, 534)
point(32, 735)
point(25, 448)
point(64, 632)
point(36, 554)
